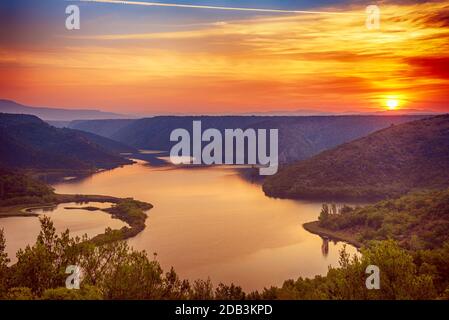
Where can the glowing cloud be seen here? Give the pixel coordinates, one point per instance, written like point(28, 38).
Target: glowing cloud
point(276, 62)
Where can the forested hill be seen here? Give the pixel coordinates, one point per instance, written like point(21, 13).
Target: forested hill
point(417, 220)
point(14, 185)
point(389, 162)
point(28, 142)
point(299, 137)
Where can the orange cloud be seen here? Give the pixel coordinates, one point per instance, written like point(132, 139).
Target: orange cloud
point(326, 62)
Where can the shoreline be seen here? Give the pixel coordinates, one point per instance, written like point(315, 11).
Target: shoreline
point(19, 210)
point(313, 227)
point(128, 210)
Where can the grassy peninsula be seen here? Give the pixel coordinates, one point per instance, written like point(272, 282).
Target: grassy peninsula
point(19, 192)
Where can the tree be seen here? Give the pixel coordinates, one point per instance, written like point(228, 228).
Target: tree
point(4, 271)
point(42, 266)
point(229, 292)
point(399, 278)
point(174, 288)
point(324, 214)
point(202, 290)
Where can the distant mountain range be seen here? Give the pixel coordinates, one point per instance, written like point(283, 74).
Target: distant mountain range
point(299, 137)
point(389, 162)
point(27, 142)
point(60, 117)
point(8, 106)
point(312, 112)
point(105, 128)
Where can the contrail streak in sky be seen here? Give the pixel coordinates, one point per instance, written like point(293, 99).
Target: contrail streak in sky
point(193, 6)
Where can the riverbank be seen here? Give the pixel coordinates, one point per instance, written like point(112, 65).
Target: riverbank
point(20, 210)
point(128, 210)
point(314, 227)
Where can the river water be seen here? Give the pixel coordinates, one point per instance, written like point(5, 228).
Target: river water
point(206, 222)
point(23, 231)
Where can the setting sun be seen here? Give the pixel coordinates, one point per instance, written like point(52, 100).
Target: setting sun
point(392, 104)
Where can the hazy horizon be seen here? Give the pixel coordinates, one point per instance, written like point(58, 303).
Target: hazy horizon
point(147, 60)
point(93, 112)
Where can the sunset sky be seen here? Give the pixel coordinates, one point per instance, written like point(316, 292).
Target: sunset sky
point(130, 58)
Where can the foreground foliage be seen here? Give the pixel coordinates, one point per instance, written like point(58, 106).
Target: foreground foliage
point(115, 271)
point(419, 220)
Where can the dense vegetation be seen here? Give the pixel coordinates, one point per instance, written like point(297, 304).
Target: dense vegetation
point(387, 163)
point(299, 137)
point(404, 275)
point(110, 271)
point(418, 220)
point(26, 142)
point(16, 188)
point(17, 191)
point(132, 212)
point(411, 241)
point(109, 145)
point(413, 265)
point(115, 271)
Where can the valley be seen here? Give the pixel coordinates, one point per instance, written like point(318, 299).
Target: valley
point(210, 222)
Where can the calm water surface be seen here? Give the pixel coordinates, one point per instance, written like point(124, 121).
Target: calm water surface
point(21, 231)
point(210, 222)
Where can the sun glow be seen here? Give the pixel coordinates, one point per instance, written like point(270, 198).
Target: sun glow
point(243, 63)
point(392, 104)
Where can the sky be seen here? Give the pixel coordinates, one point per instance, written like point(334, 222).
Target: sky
point(131, 58)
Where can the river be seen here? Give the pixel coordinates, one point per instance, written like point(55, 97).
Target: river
point(210, 222)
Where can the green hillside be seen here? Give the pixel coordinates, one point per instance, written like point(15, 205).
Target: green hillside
point(18, 188)
point(27, 142)
point(299, 137)
point(389, 162)
point(417, 220)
